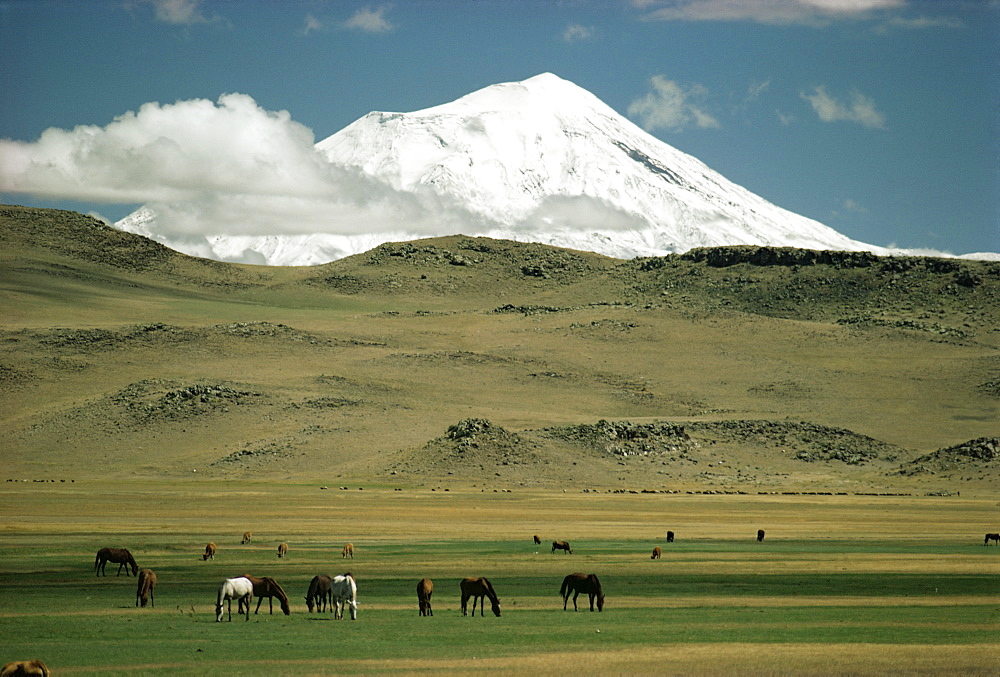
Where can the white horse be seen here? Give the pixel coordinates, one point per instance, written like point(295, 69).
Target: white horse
point(234, 588)
point(344, 591)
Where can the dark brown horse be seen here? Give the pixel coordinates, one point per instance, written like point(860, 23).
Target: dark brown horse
point(319, 594)
point(657, 553)
point(561, 545)
point(538, 541)
point(992, 537)
point(760, 535)
point(144, 591)
point(670, 537)
point(425, 588)
point(119, 556)
point(477, 588)
point(209, 551)
point(577, 583)
point(266, 586)
point(34, 668)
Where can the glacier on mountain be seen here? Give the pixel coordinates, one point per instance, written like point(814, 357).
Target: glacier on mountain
point(541, 160)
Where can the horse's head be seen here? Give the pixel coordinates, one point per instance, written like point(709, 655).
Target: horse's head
point(309, 603)
point(135, 568)
point(600, 602)
point(496, 608)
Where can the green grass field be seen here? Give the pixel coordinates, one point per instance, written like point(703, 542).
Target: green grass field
point(837, 586)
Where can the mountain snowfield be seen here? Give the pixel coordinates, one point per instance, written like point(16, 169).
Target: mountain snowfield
point(541, 160)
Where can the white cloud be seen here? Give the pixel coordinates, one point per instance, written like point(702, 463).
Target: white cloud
point(208, 168)
point(924, 22)
point(765, 11)
point(371, 20)
point(312, 24)
point(861, 109)
point(670, 106)
point(576, 32)
point(178, 12)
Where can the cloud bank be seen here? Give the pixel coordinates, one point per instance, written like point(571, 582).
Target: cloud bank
point(861, 109)
point(227, 167)
point(782, 12)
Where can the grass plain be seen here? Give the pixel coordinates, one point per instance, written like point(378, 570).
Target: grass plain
point(837, 586)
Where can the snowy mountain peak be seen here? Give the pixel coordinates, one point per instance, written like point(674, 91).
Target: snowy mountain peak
point(539, 160)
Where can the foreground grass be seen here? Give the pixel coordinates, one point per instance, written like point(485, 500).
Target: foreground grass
point(856, 596)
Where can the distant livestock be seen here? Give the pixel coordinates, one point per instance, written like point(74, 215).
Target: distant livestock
point(348, 550)
point(282, 549)
point(657, 553)
point(670, 537)
point(144, 590)
point(247, 537)
point(760, 535)
point(577, 583)
point(992, 537)
point(561, 545)
point(119, 556)
point(538, 541)
point(209, 552)
point(425, 588)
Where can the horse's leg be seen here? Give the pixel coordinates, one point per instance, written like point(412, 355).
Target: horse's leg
point(575, 595)
point(259, 600)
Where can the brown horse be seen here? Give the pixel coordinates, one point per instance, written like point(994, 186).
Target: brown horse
point(119, 556)
point(538, 541)
point(992, 537)
point(760, 535)
point(209, 552)
point(144, 591)
point(266, 586)
point(425, 588)
point(319, 594)
point(282, 549)
point(657, 553)
point(477, 588)
point(577, 583)
point(247, 537)
point(348, 550)
point(33, 668)
point(561, 545)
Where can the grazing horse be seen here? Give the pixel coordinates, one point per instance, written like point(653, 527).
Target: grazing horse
point(240, 589)
point(348, 550)
point(319, 593)
point(760, 535)
point(247, 537)
point(477, 588)
point(657, 553)
point(144, 591)
point(282, 549)
point(561, 545)
point(577, 583)
point(670, 537)
point(425, 588)
point(992, 537)
point(345, 592)
point(28, 668)
point(538, 541)
point(266, 586)
point(209, 552)
point(119, 556)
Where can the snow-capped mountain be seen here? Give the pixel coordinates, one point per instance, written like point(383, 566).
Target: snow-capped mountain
point(541, 160)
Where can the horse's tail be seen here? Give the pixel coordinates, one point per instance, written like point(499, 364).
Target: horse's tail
point(565, 586)
point(97, 560)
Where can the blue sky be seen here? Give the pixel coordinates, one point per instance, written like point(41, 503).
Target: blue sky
point(880, 118)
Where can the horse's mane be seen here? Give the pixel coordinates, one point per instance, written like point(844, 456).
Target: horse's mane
point(489, 589)
point(597, 583)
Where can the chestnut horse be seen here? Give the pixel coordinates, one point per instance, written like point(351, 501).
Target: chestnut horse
point(425, 588)
point(477, 588)
point(319, 593)
point(119, 556)
point(282, 549)
point(34, 668)
point(266, 586)
point(247, 537)
point(239, 589)
point(657, 553)
point(577, 583)
point(992, 537)
point(144, 591)
point(561, 545)
point(348, 550)
point(209, 552)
